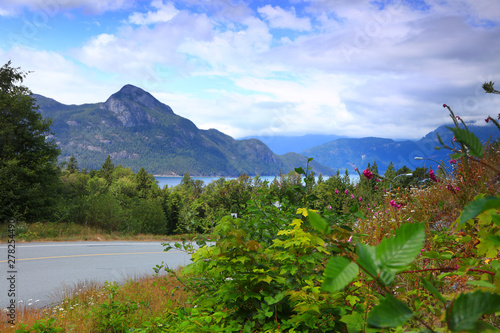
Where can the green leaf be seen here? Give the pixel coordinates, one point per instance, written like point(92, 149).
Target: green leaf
point(470, 140)
point(317, 222)
point(353, 321)
point(463, 314)
point(476, 207)
point(300, 171)
point(482, 284)
point(339, 272)
point(456, 156)
point(391, 312)
point(429, 286)
point(367, 259)
point(394, 254)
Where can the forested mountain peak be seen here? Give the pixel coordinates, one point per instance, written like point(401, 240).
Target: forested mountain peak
point(137, 130)
point(133, 106)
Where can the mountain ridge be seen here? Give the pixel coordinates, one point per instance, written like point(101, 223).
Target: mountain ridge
point(137, 130)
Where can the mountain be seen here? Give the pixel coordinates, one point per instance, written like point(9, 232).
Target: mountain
point(284, 144)
point(350, 153)
point(137, 130)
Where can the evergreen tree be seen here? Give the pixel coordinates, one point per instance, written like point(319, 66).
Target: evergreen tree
point(28, 171)
point(72, 166)
point(107, 169)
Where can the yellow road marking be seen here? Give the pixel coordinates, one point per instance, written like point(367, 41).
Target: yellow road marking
point(91, 255)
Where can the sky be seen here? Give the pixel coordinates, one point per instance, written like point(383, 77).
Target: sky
point(355, 68)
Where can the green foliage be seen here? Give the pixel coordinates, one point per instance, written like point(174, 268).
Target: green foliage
point(28, 172)
point(112, 316)
point(41, 326)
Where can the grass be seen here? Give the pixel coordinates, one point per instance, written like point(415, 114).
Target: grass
point(91, 305)
point(59, 231)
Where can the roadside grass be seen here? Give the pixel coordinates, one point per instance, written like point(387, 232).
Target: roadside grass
point(60, 231)
point(141, 302)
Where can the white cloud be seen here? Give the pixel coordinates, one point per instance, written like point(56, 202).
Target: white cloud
point(51, 7)
point(362, 71)
point(280, 18)
point(163, 13)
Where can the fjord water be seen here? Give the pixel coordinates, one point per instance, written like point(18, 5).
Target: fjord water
point(174, 181)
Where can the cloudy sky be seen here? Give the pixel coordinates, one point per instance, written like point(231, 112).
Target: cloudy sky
point(259, 68)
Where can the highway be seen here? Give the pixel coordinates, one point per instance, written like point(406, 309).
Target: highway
point(42, 272)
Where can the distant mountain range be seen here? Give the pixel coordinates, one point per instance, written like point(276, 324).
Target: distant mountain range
point(137, 130)
point(284, 144)
point(348, 153)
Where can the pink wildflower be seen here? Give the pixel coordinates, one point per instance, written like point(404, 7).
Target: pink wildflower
point(368, 174)
point(352, 196)
point(377, 180)
point(336, 191)
point(346, 192)
point(487, 119)
point(393, 203)
point(432, 175)
point(356, 169)
point(444, 105)
point(457, 188)
point(452, 161)
point(350, 239)
point(329, 207)
point(459, 118)
point(359, 199)
point(454, 139)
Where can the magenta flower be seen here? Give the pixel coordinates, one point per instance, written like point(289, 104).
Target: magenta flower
point(346, 192)
point(368, 174)
point(393, 203)
point(487, 119)
point(432, 175)
point(377, 180)
point(356, 169)
point(444, 105)
point(336, 191)
point(454, 139)
point(452, 161)
point(457, 188)
point(350, 239)
point(359, 199)
point(352, 196)
point(459, 118)
point(329, 207)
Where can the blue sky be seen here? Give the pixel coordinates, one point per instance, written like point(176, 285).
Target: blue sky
point(261, 68)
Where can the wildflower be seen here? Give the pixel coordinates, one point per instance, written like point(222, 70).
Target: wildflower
point(356, 169)
point(350, 239)
point(457, 188)
point(393, 203)
point(452, 161)
point(336, 191)
point(346, 192)
point(432, 175)
point(377, 180)
point(368, 174)
point(444, 105)
point(352, 196)
point(487, 119)
point(359, 199)
point(330, 207)
point(459, 118)
point(454, 139)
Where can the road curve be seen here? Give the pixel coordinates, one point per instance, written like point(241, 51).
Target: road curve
point(42, 271)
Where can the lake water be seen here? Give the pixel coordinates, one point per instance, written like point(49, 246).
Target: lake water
point(174, 181)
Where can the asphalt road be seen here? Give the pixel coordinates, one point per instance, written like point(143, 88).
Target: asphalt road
point(43, 272)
